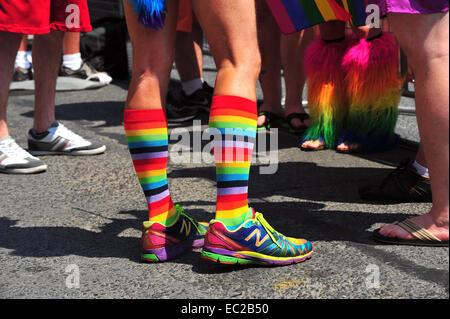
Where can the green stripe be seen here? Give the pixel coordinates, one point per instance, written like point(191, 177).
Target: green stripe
point(145, 138)
point(312, 12)
point(152, 179)
point(232, 170)
point(233, 125)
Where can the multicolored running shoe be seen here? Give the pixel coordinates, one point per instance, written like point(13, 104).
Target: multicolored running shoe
point(254, 242)
point(161, 243)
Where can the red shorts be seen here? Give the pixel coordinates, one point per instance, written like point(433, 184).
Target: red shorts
point(186, 16)
point(42, 16)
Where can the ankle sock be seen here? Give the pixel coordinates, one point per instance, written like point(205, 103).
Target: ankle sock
point(421, 170)
point(147, 138)
point(235, 119)
point(72, 61)
point(191, 86)
point(22, 60)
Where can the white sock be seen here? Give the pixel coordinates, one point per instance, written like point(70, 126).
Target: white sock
point(72, 61)
point(191, 86)
point(22, 60)
point(421, 170)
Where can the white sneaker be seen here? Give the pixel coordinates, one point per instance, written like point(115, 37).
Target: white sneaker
point(58, 140)
point(15, 160)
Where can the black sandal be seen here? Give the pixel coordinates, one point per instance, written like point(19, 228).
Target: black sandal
point(302, 117)
point(402, 185)
point(272, 120)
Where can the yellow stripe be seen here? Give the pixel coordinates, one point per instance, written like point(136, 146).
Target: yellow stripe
point(230, 118)
point(225, 214)
point(152, 131)
point(255, 254)
point(326, 10)
point(159, 172)
point(234, 164)
point(164, 216)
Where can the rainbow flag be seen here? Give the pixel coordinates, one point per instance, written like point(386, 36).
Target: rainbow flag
point(296, 15)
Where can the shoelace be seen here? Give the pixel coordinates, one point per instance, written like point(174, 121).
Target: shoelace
point(13, 150)
point(180, 210)
point(269, 229)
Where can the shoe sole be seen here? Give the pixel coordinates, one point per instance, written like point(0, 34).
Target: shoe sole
point(228, 257)
point(31, 170)
point(168, 253)
point(96, 151)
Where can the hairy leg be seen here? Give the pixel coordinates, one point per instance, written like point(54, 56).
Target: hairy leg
point(427, 52)
point(10, 45)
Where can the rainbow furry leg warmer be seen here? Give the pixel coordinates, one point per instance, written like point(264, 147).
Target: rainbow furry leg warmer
point(374, 92)
point(151, 13)
point(326, 90)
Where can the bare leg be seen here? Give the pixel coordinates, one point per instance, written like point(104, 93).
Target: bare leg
point(10, 44)
point(270, 77)
point(233, 43)
point(47, 51)
point(189, 54)
point(292, 52)
point(427, 51)
point(71, 42)
point(153, 54)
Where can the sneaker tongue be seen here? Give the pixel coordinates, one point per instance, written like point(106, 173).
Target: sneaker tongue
point(252, 211)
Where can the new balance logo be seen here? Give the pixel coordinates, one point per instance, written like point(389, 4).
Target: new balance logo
point(185, 226)
point(257, 233)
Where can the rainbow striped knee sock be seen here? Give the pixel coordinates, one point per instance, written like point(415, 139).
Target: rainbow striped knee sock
point(234, 118)
point(147, 138)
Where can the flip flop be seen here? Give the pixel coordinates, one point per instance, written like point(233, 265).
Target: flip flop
point(423, 236)
point(302, 117)
point(272, 120)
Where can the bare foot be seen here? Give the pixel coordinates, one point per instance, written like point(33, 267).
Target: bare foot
point(353, 147)
point(313, 145)
point(394, 231)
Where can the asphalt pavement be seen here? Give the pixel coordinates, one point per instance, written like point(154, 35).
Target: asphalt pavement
point(83, 218)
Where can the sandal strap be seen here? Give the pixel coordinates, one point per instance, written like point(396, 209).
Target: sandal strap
point(301, 116)
point(417, 231)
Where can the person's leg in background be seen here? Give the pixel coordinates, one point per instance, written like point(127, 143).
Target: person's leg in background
point(49, 137)
point(22, 64)
point(428, 53)
point(71, 51)
point(269, 36)
point(195, 93)
point(292, 54)
point(327, 103)
point(73, 64)
point(13, 158)
point(373, 89)
point(168, 231)
point(233, 121)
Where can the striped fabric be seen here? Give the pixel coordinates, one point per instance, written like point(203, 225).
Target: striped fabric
point(234, 118)
point(296, 15)
point(147, 138)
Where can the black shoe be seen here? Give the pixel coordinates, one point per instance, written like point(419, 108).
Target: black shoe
point(22, 75)
point(176, 114)
point(200, 99)
point(403, 185)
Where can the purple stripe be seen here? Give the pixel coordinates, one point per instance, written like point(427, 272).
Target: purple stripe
point(240, 144)
point(149, 155)
point(232, 190)
point(157, 198)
